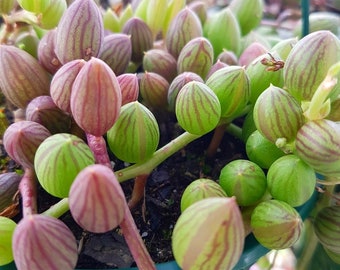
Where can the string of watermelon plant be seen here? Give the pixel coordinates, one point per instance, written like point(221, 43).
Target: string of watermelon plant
point(90, 92)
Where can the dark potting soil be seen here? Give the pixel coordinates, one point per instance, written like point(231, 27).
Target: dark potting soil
point(158, 212)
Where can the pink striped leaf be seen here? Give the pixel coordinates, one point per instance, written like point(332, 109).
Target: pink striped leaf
point(42, 242)
point(96, 200)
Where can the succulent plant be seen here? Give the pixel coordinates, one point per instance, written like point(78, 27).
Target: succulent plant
point(317, 143)
point(308, 63)
point(135, 135)
point(95, 97)
point(97, 181)
point(260, 78)
point(214, 239)
point(160, 62)
point(21, 140)
point(334, 114)
point(28, 42)
point(228, 57)
point(218, 65)
point(250, 53)
point(107, 75)
point(184, 27)
point(6, 6)
point(332, 255)
point(230, 84)
point(200, 8)
point(244, 180)
point(257, 145)
point(62, 82)
point(116, 52)
point(246, 9)
point(126, 14)
point(90, 212)
point(27, 82)
point(80, 32)
point(46, 54)
point(223, 21)
point(276, 224)
point(176, 85)
point(7, 227)
point(155, 15)
point(291, 180)
point(35, 6)
point(198, 109)
point(196, 56)
point(33, 247)
point(58, 160)
point(283, 47)
point(51, 16)
point(43, 110)
point(153, 89)
point(326, 227)
point(111, 21)
point(278, 115)
point(173, 8)
point(9, 183)
point(141, 38)
point(129, 87)
point(254, 36)
point(200, 189)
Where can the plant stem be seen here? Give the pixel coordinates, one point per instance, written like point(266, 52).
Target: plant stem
point(138, 190)
point(235, 131)
point(21, 16)
point(216, 140)
point(135, 242)
point(98, 146)
point(158, 157)
point(58, 209)
point(28, 191)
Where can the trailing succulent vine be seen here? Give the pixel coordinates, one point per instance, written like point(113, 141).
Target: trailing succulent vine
point(90, 79)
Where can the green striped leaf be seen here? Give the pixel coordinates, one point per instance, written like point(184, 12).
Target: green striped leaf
point(198, 109)
point(135, 135)
point(58, 160)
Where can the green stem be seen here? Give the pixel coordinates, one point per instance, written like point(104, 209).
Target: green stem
point(58, 209)
point(235, 131)
point(157, 158)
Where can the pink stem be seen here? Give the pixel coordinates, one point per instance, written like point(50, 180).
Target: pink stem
point(28, 191)
point(99, 149)
point(138, 190)
point(135, 242)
